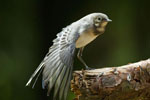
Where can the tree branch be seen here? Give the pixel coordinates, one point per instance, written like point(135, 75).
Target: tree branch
point(128, 82)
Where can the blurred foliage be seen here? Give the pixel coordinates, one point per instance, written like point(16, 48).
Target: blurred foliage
point(27, 28)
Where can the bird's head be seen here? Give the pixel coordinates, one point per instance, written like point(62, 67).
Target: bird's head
point(99, 22)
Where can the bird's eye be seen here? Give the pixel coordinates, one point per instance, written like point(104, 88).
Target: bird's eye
point(98, 21)
point(99, 18)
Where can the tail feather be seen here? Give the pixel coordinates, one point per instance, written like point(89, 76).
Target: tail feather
point(34, 74)
point(36, 78)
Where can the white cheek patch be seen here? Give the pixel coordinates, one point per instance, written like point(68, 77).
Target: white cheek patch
point(97, 24)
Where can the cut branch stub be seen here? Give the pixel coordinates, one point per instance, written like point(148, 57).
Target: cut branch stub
point(128, 82)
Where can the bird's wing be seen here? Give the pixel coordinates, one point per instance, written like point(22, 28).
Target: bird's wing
point(58, 64)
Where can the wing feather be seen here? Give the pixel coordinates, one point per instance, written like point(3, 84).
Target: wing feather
point(59, 81)
point(67, 85)
point(61, 91)
point(58, 64)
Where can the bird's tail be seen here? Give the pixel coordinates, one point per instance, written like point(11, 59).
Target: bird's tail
point(56, 74)
point(34, 74)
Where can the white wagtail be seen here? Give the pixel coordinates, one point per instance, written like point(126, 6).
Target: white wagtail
point(58, 63)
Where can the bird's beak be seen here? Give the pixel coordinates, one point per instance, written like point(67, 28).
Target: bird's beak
point(109, 20)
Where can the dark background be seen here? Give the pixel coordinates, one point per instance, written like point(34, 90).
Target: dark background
point(27, 28)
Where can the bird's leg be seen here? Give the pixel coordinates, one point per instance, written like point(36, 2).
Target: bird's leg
point(79, 55)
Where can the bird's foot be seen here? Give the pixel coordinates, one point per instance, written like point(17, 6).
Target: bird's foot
point(88, 68)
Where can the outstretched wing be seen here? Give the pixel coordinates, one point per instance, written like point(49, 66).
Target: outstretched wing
point(58, 64)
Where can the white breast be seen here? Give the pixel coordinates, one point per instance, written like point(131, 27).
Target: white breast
point(85, 39)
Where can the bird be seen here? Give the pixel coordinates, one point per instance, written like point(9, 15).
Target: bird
point(57, 65)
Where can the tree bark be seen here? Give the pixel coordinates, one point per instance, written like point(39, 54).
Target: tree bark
point(128, 82)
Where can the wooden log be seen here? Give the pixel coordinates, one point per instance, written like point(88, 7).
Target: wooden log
point(128, 82)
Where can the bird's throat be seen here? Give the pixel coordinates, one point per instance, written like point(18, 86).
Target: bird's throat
point(101, 29)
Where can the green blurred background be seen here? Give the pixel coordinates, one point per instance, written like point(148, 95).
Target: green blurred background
point(27, 28)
